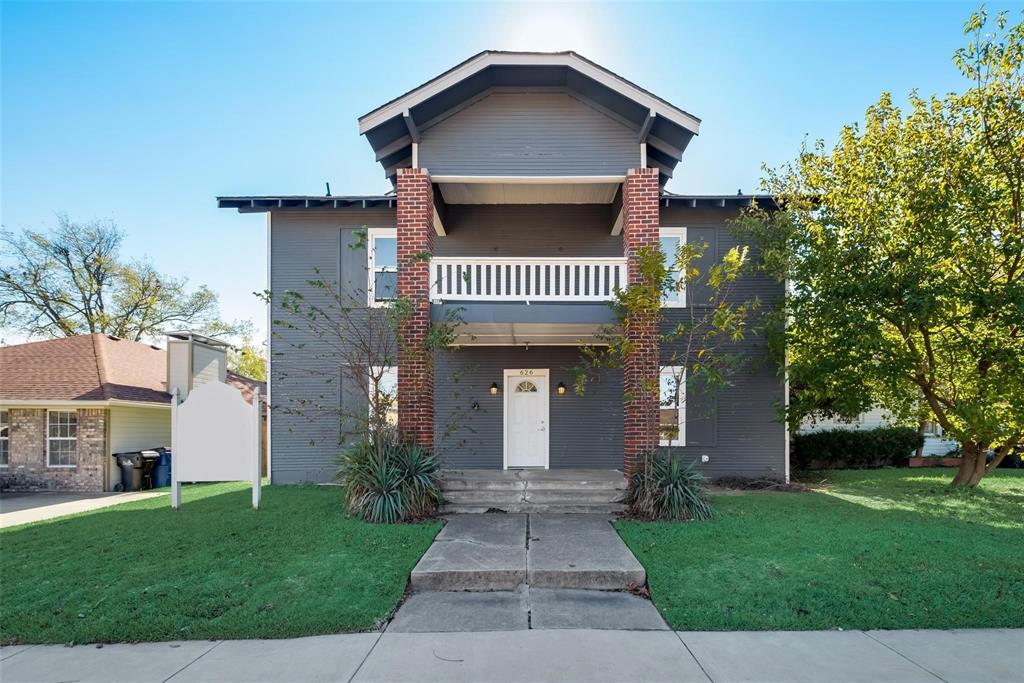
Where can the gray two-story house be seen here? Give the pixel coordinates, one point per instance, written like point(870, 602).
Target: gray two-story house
point(531, 181)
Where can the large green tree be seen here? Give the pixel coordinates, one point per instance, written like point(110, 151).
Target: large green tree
point(904, 249)
point(72, 280)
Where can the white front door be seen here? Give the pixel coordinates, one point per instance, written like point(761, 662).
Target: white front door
point(526, 418)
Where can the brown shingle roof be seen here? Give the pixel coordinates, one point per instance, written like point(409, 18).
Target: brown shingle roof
point(93, 367)
point(247, 386)
point(90, 367)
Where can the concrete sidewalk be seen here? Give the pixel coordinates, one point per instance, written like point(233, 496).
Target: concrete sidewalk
point(974, 656)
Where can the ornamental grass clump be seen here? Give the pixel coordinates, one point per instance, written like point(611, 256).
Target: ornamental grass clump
point(663, 489)
point(387, 481)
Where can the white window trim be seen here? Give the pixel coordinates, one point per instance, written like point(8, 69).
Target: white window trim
point(6, 439)
point(374, 370)
point(49, 465)
point(372, 234)
point(681, 234)
point(674, 371)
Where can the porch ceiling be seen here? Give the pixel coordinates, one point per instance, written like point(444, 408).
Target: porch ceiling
point(527, 334)
point(595, 190)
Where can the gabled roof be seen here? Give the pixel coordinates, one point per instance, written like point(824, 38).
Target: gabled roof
point(390, 128)
point(89, 367)
point(93, 367)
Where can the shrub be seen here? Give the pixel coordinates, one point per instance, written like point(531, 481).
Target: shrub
point(853, 448)
point(400, 484)
point(662, 488)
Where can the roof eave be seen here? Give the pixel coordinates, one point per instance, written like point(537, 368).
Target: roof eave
point(264, 203)
point(477, 63)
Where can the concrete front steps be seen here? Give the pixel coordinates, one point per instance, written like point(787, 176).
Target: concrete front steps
point(533, 491)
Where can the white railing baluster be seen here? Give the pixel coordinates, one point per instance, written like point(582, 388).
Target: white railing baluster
point(526, 279)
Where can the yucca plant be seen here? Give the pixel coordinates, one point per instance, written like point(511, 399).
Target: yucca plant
point(663, 489)
point(389, 481)
point(419, 470)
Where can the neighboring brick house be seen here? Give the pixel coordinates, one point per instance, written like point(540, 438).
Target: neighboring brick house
point(67, 404)
point(530, 181)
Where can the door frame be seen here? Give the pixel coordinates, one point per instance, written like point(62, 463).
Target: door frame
point(524, 373)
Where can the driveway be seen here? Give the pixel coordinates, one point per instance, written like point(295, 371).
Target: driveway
point(36, 506)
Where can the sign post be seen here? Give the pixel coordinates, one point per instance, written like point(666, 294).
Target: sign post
point(215, 436)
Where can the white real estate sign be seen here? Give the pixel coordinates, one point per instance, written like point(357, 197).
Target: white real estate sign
point(215, 436)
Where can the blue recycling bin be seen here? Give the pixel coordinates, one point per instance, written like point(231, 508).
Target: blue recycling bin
point(162, 471)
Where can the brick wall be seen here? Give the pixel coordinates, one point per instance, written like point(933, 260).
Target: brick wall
point(28, 468)
point(415, 228)
point(641, 365)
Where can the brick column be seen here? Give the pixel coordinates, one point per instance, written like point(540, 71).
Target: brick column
point(641, 365)
point(415, 222)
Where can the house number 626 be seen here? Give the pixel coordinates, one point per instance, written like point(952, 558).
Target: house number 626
point(526, 372)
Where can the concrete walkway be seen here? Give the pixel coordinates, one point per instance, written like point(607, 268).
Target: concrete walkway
point(36, 506)
point(976, 656)
point(495, 552)
point(498, 572)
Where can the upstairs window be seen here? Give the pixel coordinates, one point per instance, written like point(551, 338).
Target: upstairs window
point(61, 438)
point(5, 438)
point(671, 240)
point(382, 251)
point(672, 406)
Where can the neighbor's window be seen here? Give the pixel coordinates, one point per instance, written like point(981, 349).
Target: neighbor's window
point(386, 391)
point(5, 438)
point(382, 249)
point(671, 240)
point(62, 438)
point(672, 404)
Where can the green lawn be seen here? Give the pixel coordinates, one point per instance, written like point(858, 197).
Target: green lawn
point(214, 569)
point(875, 549)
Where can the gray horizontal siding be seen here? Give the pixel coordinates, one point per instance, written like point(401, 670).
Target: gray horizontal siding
point(529, 134)
point(737, 426)
point(520, 230)
point(585, 431)
point(305, 371)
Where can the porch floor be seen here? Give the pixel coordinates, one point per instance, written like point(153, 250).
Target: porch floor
point(533, 490)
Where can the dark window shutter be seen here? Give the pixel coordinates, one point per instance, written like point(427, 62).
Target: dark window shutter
point(701, 415)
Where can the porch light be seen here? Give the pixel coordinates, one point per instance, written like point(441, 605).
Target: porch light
point(494, 388)
point(561, 388)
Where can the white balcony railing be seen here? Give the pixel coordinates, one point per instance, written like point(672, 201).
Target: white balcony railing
point(526, 279)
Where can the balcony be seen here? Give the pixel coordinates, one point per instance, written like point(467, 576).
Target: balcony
point(575, 280)
point(524, 301)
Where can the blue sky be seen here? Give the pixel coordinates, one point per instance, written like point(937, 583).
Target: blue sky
point(144, 112)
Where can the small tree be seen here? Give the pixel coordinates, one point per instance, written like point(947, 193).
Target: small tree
point(72, 281)
point(249, 359)
point(340, 339)
point(904, 248)
point(700, 341)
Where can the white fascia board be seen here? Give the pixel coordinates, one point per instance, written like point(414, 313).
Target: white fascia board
point(619, 221)
point(7, 404)
point(438, 225)
point(656, 106)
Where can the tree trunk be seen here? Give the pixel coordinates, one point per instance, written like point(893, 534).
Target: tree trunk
point(972, 465)
point(920, 433)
